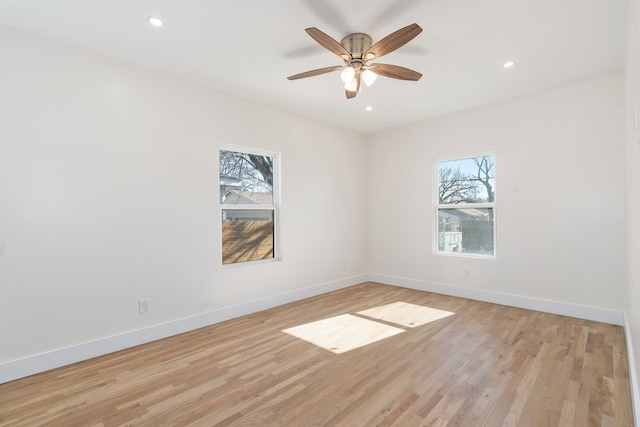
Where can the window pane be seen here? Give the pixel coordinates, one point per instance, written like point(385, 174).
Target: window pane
point(247, 235)
point(466, 230)
point(245, 178)
point(470, 180)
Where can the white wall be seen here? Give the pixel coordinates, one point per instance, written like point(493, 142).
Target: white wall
point(108, 194)
point(632, 194)
point(560, 198)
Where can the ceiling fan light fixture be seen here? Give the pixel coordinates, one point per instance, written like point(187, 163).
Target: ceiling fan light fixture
point(356, 50)
point(351, 86)
point(368, 77)
point(348, 75)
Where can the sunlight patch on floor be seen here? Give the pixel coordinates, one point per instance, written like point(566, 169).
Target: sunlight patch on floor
point(406, 314)
point(346, 332)
point(343, 333)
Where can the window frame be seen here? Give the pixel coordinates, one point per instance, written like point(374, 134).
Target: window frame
point(461, 206)
point(274, 206)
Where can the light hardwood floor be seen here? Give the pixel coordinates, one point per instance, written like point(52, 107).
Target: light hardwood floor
point(369, 355)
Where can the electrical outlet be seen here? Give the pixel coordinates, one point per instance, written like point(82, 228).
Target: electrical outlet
point(143, 305)
point(465, 273)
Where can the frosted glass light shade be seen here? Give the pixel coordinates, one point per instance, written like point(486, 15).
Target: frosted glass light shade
point(347, 75)
point(368, 77)
point(352, 86)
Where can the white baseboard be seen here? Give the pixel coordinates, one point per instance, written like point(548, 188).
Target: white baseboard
point(42, 362)
point(547, 306)
point(633, 374)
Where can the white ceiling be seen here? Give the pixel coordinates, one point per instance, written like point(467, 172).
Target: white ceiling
point(249, 47)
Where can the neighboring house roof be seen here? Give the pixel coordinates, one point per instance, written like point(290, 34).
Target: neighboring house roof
point(231, 193)
point(228, 181)
point(466, 212)
point(248, 197)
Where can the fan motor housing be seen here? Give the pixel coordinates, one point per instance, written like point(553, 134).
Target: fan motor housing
point(357, 44)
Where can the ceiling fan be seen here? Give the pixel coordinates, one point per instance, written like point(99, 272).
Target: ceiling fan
point(357, 51)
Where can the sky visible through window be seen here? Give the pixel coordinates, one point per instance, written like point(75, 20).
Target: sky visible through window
point(466, 176)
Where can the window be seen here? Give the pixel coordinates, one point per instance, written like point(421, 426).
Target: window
point(248, 205)
point(465, 208)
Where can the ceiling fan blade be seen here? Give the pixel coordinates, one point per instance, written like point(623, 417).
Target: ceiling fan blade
point(329, 43)
point(314, 72)
point(395, 72)
point(352, 93)
point(393, 41)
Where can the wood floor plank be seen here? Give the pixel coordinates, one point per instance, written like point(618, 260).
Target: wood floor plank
point(449, 362)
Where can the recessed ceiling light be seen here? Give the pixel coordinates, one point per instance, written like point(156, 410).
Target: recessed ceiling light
point(156, 22)
point(508, 64)
point(369, 108)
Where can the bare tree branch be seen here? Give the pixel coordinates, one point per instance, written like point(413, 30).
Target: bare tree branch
point(455, 186)
point(254, 171)
point(485, 175)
